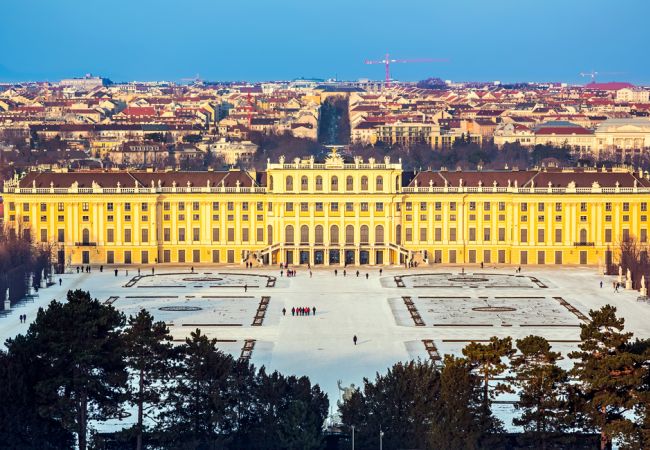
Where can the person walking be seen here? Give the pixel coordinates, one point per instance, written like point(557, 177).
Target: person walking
point(336, 272)
point(152, 271)
point(601, 284)
point(245, 287)
point(313, 310)
point(366, 275)
point(380, 271)
point(344, 273)
point(115, 272)
point(310, 274)
point(284, 311)
point(357, 274)
point(354, 339)
point(60, 281)
point(293, 310)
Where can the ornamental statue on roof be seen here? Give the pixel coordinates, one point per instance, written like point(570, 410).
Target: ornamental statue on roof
point(334, 159)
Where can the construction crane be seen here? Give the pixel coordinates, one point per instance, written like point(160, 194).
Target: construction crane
point(593, 74)
point(197, 79)
point(387, 62)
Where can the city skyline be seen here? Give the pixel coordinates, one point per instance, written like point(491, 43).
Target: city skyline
point(257, 41)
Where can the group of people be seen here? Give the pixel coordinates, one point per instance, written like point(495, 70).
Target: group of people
point(23, 318)
point(345, 273)
point(290, 272)
point(83, 269)
point(300, 311)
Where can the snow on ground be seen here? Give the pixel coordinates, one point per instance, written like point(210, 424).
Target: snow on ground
point(373, 309)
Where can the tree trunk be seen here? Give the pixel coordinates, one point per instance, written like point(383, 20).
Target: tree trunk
point(604, 439)
point(140, 410)
point(83, 419)
point(486, 391)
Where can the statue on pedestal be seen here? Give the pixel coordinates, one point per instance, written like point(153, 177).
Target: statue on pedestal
point(7, 301)
point(620, 274)
point(644, 289)
point(347, 391)
point(628, 280)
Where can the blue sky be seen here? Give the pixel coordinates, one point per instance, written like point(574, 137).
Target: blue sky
point(508, 40)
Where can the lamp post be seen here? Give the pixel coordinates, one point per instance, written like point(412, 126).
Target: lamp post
point(381, 439)
point(352, 437)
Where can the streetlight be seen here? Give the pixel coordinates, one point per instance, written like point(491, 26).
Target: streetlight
point(381, 439)
point(352, 437)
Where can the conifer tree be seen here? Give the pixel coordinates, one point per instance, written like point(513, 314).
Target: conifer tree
point(22, 427)
point(150, 358)
point(460, 422)
point(609, 375)
point(79, 346)
point(400, 403)
point(487, 360)
point(541, 387)
point(199, 402)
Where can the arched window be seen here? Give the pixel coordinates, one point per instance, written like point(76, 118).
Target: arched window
point(364, 234)
point(269, 234)
point(583, 235)
point(335, 183)
point(289, 183)
point(85, 235)
point(319, 183)
point(334, 235)
point(349, 234)
point(318, 232)
point(364, 183)
point(349, 183)
point(288, 234)
point(304, 183)
point(304, 234)
point(398, 234)
point(379, 234)
point(379, 185)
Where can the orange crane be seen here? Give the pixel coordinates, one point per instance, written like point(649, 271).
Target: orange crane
point(387, 62)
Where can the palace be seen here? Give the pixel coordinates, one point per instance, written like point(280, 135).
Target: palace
point(331, 213)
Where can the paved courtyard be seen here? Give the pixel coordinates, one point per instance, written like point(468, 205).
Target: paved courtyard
point(402, 314)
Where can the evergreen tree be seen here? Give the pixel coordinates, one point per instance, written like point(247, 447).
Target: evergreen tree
point(459, 421)
point(487, 360)
point(200, 411)
point(284, 413)
point(149, 357)
point(22, 427)
point(84, 376)
point(641, 437)
point(609, 375)
point(400, 403)
point(541, 384)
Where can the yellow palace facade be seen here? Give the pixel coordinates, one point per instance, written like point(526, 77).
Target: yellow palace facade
point(331, 213)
